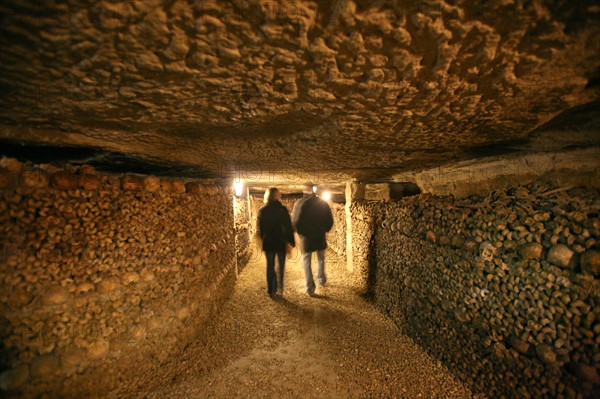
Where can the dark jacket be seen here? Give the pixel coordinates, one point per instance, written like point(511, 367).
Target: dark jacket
point(274, 227)
point(312, 219)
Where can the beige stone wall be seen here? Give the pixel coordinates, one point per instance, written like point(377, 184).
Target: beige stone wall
point(255, 203)
point(503, 288)
point(336, 239)
point(574, 167)
point(100, 274)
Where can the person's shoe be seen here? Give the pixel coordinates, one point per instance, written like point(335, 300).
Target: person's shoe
point(272, 295)
point(322, 283)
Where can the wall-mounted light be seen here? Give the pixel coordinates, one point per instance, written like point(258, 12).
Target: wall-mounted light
point(314, 189)
point(326, 196)
point(238, 186)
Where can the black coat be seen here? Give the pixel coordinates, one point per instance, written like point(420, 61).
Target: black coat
point(312, 219)
point(274, 227)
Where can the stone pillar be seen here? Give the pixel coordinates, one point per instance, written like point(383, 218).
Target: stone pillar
point(249, 221)
point(242, 218)
point(348, 194)
point(235, 231)
point(354, 191)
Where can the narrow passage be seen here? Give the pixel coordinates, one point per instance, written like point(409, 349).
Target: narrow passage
point(335, 345)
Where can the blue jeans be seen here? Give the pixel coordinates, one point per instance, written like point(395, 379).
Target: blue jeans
point(271, 275)
point(306, 263)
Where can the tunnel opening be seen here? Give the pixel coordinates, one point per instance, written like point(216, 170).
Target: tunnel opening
point(404, 189)
point(425, 261)
point(456, 147)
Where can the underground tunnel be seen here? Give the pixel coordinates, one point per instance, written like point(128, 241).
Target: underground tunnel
point(455, 142)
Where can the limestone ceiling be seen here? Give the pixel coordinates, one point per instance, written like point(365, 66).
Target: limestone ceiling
point(337, 86)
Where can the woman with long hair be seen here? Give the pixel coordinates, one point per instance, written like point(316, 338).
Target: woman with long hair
point(274, 228)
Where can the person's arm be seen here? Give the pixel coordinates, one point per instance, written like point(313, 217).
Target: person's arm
point(289, 231)
point(259, 226)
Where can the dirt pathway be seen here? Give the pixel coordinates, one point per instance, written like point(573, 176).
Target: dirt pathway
point(335, 345)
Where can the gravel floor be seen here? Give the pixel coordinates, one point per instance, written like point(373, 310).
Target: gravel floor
point(332, 345)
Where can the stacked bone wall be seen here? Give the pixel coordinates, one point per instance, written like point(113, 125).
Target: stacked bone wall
point(336, 238)
point(104, 275)
point(503, 288)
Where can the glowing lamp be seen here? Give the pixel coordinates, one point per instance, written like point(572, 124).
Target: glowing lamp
point(326, 196)
point(239, 188)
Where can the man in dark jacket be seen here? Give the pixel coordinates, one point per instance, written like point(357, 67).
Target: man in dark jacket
point(274, 228)
point(312, 219)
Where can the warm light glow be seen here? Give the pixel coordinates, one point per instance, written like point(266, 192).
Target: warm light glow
point(315, 189)
point(239, 188)
point(327, 196)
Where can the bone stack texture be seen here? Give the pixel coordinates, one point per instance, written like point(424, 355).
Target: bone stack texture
point(102, 274)
point(336, 239)
point(502, 288)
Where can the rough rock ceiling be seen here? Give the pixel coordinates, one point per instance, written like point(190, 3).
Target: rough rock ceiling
point(338, 86)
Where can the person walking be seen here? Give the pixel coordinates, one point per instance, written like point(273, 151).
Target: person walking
point(274, 228)
point(312, 219)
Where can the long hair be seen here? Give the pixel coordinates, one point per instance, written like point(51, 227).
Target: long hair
point(270, 194)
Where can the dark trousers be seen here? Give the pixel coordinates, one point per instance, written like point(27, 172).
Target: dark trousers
point(271, 275)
